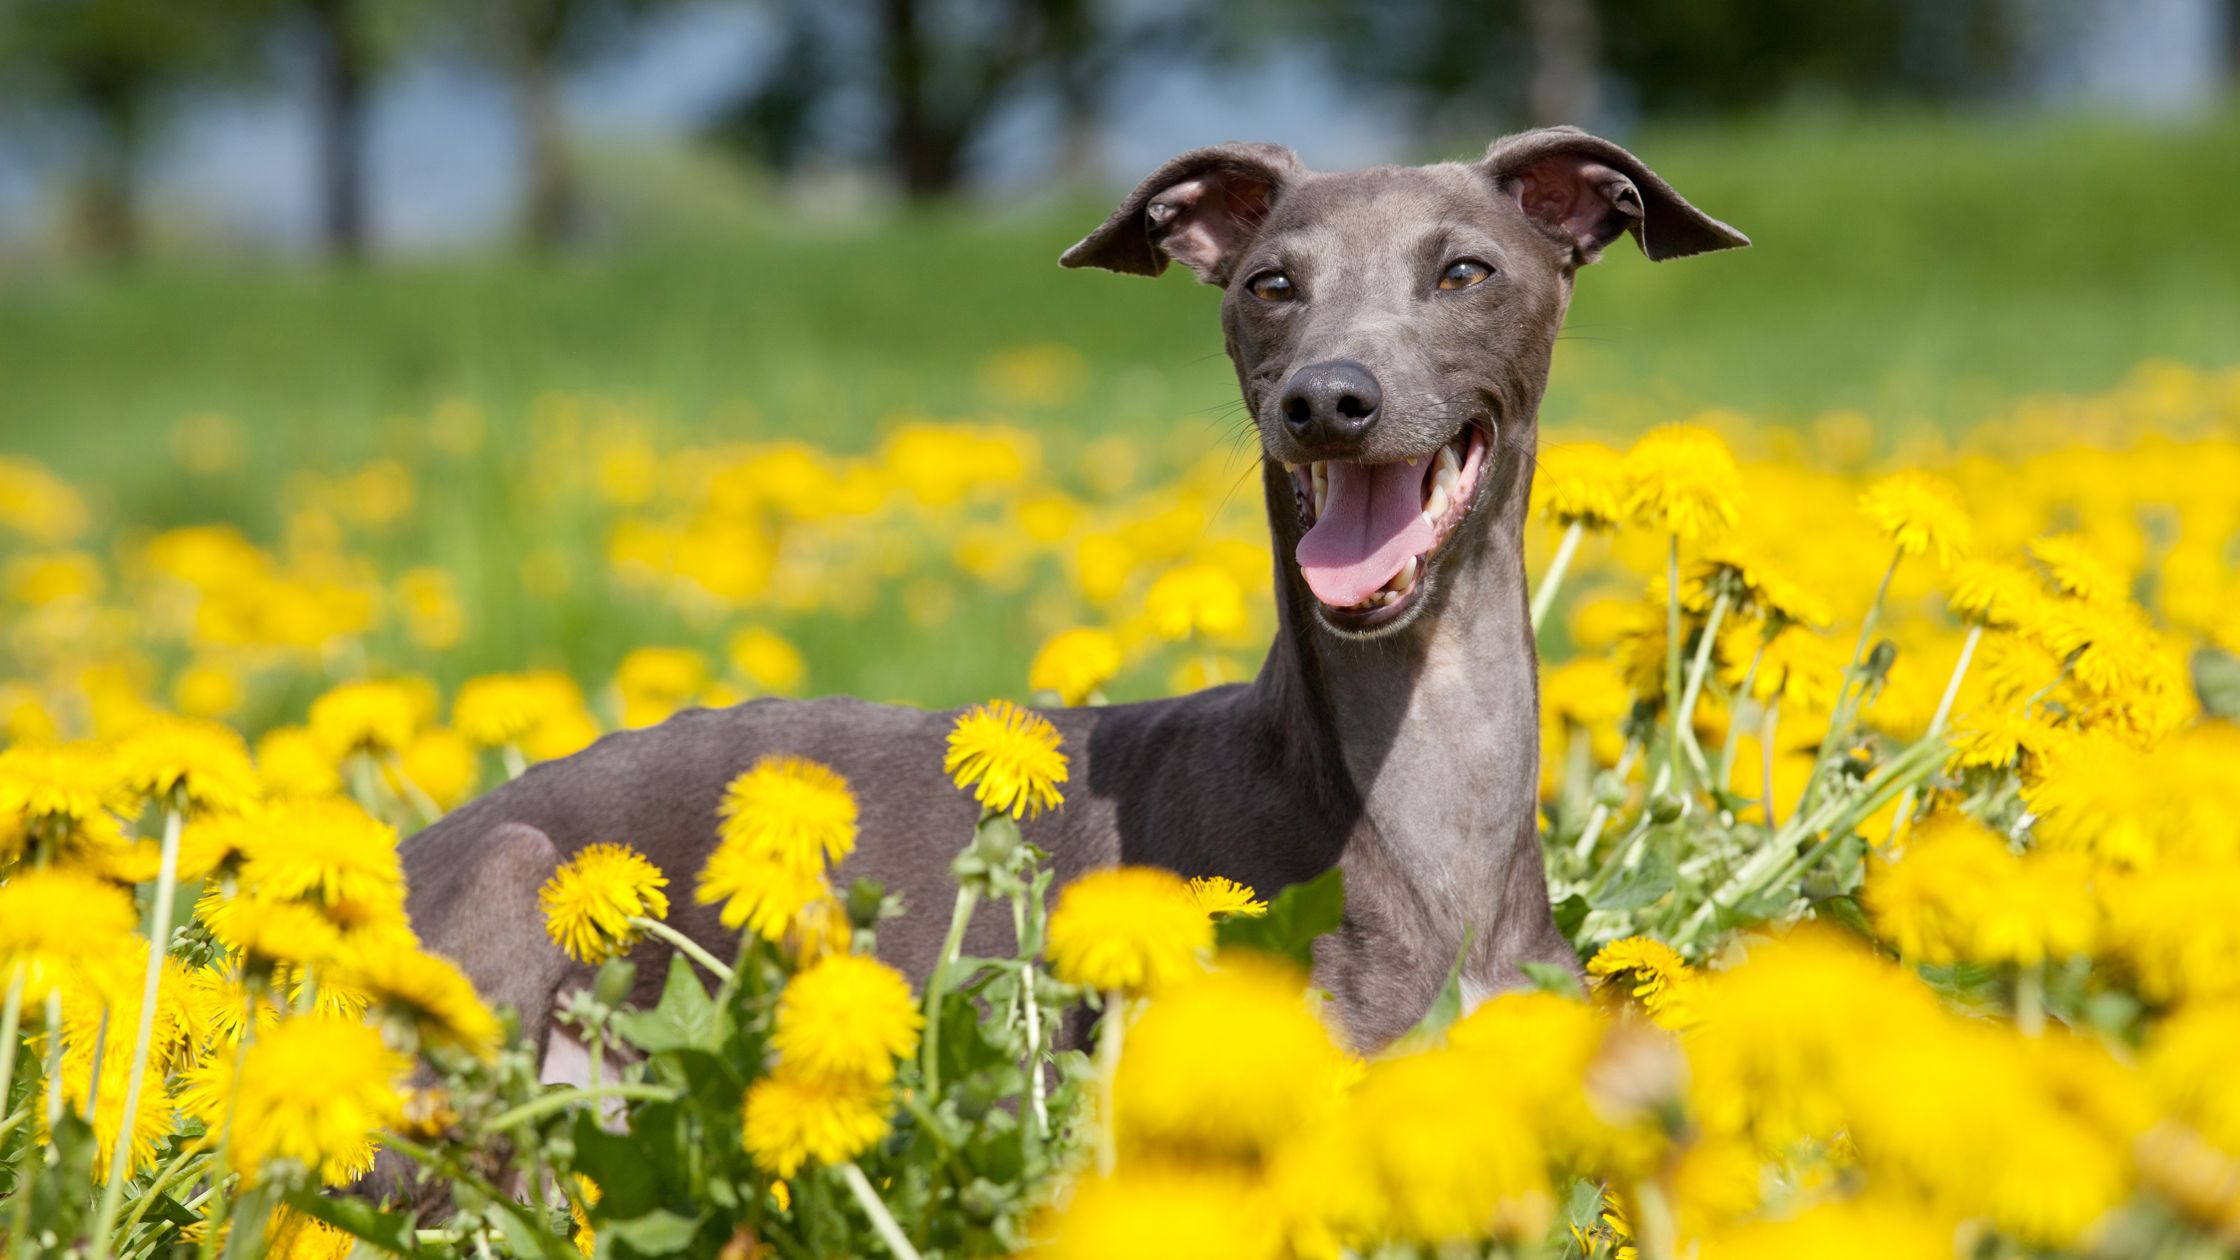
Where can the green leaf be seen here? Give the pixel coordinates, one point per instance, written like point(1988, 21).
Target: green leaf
point(1643, 883)
point(1845, 910)
point(1570, 913)
point(657, 1233)
point(685, 1016)
point(391, 1231)
point(1553, 978)
point(622, 1165)
point(2217, 677)
point(1295, 917)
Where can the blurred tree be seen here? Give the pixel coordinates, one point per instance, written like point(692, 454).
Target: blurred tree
point(1465, 64)
point(532, 42)
point(113, 67)
point(353, 42)
point(936, 72)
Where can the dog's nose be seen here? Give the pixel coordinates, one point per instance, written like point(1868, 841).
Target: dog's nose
point(1331, 403)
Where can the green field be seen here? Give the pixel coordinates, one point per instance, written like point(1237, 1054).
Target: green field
point(1907, 267)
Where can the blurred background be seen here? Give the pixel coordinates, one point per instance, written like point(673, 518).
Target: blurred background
point(438, 271)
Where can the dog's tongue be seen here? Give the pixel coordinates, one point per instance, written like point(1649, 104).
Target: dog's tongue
point(1371, 522)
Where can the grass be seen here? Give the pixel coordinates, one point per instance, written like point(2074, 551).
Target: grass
point(1906, 267)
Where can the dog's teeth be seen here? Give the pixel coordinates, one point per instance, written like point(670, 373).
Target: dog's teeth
point(1436, 506)
point(1447, 462)
point(1413, 460)
point(1407, 577)
point(1290, 467)
point(1321, 479)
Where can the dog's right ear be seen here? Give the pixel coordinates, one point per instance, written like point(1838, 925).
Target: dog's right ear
point(1199, 209)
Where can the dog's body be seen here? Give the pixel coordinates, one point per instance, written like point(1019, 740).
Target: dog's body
point(1391, 331)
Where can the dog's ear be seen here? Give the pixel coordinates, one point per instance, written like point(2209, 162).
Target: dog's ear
point(1199, 209)
point(1585, 191)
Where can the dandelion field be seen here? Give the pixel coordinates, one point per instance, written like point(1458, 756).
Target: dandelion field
point(1887, 792)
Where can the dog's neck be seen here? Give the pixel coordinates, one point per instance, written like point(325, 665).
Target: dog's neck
point(1434, 728)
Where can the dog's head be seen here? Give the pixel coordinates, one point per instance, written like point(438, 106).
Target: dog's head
point(1391, 327)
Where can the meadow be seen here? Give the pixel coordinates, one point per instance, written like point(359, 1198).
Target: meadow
point(1888, 578)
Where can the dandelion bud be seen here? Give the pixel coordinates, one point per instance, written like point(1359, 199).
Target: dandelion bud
point(1880, 660)
point(615, 979)
point(1609, 790)
point(1666, 807)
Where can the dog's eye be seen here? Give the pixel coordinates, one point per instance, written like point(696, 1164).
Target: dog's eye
point(1270, 286)
point(1462, 273)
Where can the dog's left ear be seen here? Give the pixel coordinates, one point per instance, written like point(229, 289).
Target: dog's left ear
point(1584, 190)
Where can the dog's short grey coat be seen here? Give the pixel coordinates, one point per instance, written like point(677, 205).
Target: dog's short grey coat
point(1405, 753)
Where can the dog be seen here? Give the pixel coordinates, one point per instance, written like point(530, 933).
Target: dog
point(1391, 330)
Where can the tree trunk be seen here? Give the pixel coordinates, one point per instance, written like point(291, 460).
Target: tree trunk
point(108, 211)
point(1566, 61)
point(342, 75)
point(550, 208)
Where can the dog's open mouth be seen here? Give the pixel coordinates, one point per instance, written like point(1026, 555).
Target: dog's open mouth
point(1373, 528)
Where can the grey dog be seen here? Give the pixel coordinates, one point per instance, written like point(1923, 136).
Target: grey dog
point(1391, 330)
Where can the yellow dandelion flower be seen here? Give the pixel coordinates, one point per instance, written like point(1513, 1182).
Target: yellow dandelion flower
point(1131, 928)
point(153, 1124)
point(1008, 758)
point(265, 931)
point(427, 990)
point(315, 1092)
point(218, 1007)
point(847, 1016)
point(1228, 1063)
point(760, 892)
point(1757, 585)
point(495, 710)
point(1461, 1168)
point(294, 765)
point(1197, 598)
point(1223, 898)
point(54, 922)
point(1994, 593)
point(1920, 512)
point(2173, 925)
point(2077, 571)
point(2000, 738)
point(1651, 971)
point(1174, 1212)
point(589, 902)
point(364, 717)
point(792, 1119)
point(60, 786)
point(1580, 483)
point(1075, 663)
point(1838, 1230)
point(291, 1235)
point(205, 766)
point(655, 682)
point(331, 851)
point(791, 810)
point(763, 658)
point(1680, 479)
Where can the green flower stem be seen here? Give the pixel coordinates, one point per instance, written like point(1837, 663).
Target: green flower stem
point(1039, 1108)
point(516, 764)
point(1111, 1030)
point(1617, 860)
point(1724, 775)
point(1938, 721)
point(219, 1172)
point(1599, 816)
point(1853, 690)
point(422, 803)
point(1672, 651)
point(159, 936)
point(1777, 861)
point(180, 1166)
point(1697, 668)
point(562, 1099)
point(54, 1059)
point(874, 1207)
point(8, 1125)
point(547, 1245)
point(2030, 999)
point(937, 986)
point(685, 945)
point(1765, 761)
point(1545, 598)
point(34, 1161)
point(11, 1028)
